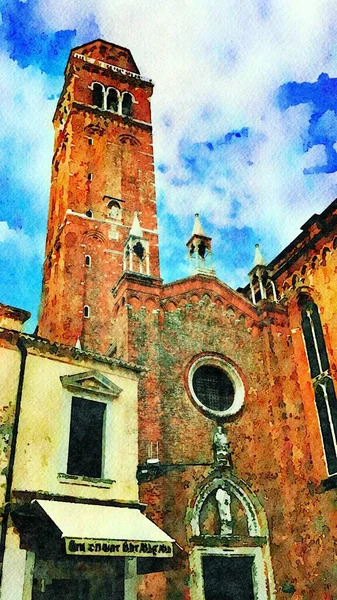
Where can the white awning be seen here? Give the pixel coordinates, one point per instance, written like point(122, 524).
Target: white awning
point(96, 530)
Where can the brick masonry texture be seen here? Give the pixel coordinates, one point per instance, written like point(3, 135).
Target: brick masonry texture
point(276, 442)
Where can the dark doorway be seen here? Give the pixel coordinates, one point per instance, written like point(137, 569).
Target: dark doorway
point(67, 589)
point(228, 578)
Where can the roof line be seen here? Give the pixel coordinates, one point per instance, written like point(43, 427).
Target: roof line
point(72, 350)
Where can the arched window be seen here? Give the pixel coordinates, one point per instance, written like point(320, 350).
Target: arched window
point(325, 395)
point(314, 338)
point(86, 311)
point(314, 262)
point(114, 209)
point(88, 260)
point(326, 405)
point(325, 253)
point(294, 280)
point(127, 104)
point(139, 250)
point(112, 100)
point(98, 95)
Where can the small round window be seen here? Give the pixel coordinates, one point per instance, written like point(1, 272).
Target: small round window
point(215, 386)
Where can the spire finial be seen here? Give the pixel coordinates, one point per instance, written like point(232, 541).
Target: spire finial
point(197, 227)
point(258, 258)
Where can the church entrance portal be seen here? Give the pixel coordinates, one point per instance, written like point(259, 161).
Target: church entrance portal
point(228, 578)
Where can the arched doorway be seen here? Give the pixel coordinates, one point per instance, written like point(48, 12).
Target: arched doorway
point(230, 558)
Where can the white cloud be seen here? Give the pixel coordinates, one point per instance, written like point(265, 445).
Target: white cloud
point(27, 246)
point(214, 58)
point(26, 127)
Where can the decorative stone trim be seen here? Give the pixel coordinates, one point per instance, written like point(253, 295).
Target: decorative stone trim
point(113, 68)
point(91, 382)
point(230, 371)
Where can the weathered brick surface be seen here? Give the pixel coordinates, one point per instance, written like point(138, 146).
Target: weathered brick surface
point(271, 439)
point(276, 442)
point(117, 164)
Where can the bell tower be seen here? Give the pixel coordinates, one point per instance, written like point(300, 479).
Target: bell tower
point(102, 174)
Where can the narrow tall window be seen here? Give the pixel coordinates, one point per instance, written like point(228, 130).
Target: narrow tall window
point(86, 311)
point(98, 95)
point(325, 395)
point(85, 454)
point(127, 104)
point(88, 260)
point(314, 338)
point(112, 100)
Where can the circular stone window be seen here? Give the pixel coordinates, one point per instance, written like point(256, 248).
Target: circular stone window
point(215, 386)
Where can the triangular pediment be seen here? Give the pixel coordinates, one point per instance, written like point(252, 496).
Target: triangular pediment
point(92, 383)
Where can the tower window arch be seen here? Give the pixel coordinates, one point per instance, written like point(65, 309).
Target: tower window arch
point(115, 210)
point(324, 390)
point(112, 100)
point(86, 311)
point(139, 250)
point(88, 260)
point(98, 95)
point(127, 104)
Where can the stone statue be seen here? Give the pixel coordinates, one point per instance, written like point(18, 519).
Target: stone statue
point(224, 507)
point(222, 452)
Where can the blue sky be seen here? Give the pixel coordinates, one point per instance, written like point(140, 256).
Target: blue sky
point(244, 114)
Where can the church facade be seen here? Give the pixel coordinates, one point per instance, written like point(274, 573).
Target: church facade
point(220, 403)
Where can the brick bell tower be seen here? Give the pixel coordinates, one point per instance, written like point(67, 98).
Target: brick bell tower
point(102, 181)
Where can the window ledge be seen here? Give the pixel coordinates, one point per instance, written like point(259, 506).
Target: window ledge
point(83, 480)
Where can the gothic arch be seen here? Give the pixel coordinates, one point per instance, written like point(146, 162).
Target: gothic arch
point(170, 306)
point(95, 128)
point(134, 301)
point(218, 302)
point(130, 140)
point(206, 298)
point(151, 303)
point(182, 302)
point(96, 235)
point(225, 548)
point(256, 519)
point(230, 312)
point(194, 298)
point(325, 252)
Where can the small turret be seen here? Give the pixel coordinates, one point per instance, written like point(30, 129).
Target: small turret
point(262, 286)
point(136, 250)
point(200, 250)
